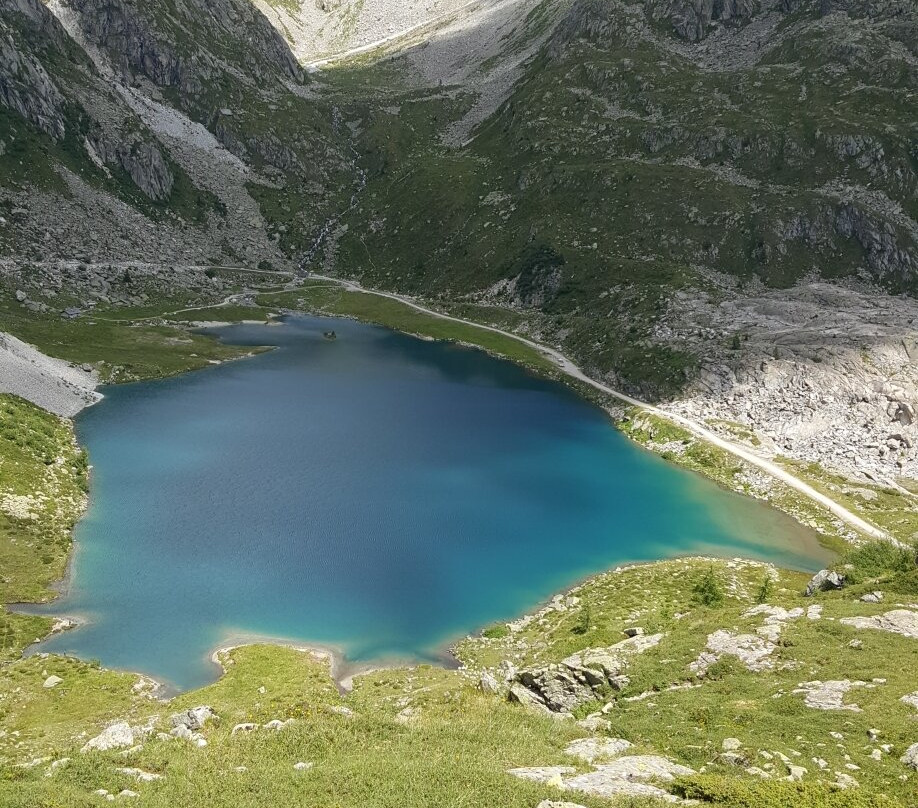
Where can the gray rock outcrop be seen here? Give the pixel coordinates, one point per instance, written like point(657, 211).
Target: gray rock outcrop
point(593, 749)
point(829, 695)
point(897, 621)
point(753, 650)
point(692, 19)
point(631, 775)
point(589, 675)
point(910, 758)
point(194, 719)
point(119, 735)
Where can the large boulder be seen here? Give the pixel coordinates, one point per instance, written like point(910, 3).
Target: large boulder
point(910, 758)
point(194, 719)
point(488, 683)
point(559, 688)
point(117, 736)
point(822, 580)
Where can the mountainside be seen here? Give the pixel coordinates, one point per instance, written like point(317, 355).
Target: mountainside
point(710, 205)
point(713, 206)
point(631, 162)
point(567, 158)
point(162, 125)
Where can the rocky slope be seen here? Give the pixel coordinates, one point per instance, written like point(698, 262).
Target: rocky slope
point(166, 127)
point(52, 384)
point(820, 373)
point(326, 28)
point(711, 680)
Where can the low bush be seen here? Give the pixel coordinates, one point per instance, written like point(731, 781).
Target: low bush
point(708, 591)
point(496, 632)
point(879, 558)
point(730, 792)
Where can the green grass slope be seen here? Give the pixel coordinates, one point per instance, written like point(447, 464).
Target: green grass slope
point(43, 485)
point(427, 736)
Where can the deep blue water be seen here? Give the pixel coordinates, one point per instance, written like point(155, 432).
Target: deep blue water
point(377, 493)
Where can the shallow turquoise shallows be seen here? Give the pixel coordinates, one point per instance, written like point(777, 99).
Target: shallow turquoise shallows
point(376, 493)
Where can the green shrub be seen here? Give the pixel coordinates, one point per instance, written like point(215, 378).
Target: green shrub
point(878, 558)
point(766, 587)
point(496, 632)
point(905, 583)
point(708, 591)
point(724, 667)
point(582, 626)
point(730, 792)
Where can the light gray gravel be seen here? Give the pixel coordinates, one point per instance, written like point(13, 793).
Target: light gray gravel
point(53, 384)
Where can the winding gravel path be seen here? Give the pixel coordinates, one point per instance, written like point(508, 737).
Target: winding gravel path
point(572, 370)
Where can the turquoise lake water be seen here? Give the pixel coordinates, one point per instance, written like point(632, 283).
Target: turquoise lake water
point(378, 494)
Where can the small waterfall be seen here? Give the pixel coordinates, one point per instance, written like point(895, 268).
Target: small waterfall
point(331, 223)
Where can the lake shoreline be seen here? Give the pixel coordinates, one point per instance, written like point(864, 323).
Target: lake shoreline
point(339, 661)
point(343, 670)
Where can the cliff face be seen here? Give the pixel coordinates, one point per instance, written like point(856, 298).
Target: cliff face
point(692, 19)
point(186, 46)
point(50, 83)
point(166, 121)
point(25, 86)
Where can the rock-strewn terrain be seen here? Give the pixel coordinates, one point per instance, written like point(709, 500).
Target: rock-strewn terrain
point(166, 130)
point(667, 190)
point(818, 373)
point(830, 719)
point(670, 192)
point(52, 384)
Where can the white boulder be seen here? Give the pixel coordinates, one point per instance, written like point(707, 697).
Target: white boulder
point(119, 735)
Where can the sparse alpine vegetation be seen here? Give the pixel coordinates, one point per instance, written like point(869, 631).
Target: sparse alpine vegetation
point(43, 487)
